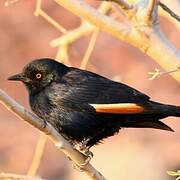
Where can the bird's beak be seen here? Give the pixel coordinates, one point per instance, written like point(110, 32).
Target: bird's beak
point(17, 77)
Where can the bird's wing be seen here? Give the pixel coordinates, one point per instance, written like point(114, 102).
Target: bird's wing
point(104, 95)
point(119, 108)
point(95, 89)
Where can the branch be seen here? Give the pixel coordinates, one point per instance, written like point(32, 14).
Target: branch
point(62, 54)
point(37, 155)
point(145, 36)
point(168, 10)
point(175, 6)
point(105, 23)
point(77, 157)
point(151, 8)
point(123, 4)
point(6, 176)
point(157, 73)
point(73, 35)
point(83, 29)
point(89, 50)
point(43, 14)
point(10, 2)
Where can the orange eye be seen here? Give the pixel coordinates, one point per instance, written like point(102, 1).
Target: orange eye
point(38, 76)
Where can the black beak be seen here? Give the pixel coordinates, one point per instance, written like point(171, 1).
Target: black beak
point(17, 77)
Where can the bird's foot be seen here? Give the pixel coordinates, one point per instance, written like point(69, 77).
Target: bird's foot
point(82, 165)
point(77, 167)
point(88, 159)
point(82, 146)
point(84, 149)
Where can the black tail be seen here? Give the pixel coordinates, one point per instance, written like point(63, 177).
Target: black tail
point(156, 124)
point(165, 109)
point(154, 112)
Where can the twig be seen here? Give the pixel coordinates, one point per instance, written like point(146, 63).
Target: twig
point(10, 2)
point(168, 10)
point(175, 6)
point(6, 176)
point(151, 8)
point(83, 29)
point(77, 157)
point(72, 36)
point(122, 3)
point(62, 54)
point(89, 49)
point(157, 73)
point(37, 155)
point(80, 8)
point(40, 12)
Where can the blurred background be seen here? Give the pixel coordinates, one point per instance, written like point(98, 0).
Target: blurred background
point(142, 154)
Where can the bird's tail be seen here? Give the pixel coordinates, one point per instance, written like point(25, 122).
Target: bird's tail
point(154, 111)
point(169, 110)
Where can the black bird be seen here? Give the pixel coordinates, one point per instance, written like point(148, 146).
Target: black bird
point(86, 107)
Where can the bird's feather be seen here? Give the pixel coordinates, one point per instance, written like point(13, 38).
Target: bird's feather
point(119, 108)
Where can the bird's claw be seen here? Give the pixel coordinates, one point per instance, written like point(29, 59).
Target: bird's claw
point(77, 167)
point(81, 166)
point(44, 124)
point(84, 149)
point(88, 153)
point(81, 146)
point(87, 160)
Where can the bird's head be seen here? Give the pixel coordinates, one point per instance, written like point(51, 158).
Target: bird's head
point(39, 74)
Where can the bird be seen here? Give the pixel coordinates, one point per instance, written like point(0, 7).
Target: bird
point(86, 107)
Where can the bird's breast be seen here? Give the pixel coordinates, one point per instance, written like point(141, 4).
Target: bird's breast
point(40, 105)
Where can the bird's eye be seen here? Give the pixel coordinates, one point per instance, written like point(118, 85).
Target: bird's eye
point(38, 76)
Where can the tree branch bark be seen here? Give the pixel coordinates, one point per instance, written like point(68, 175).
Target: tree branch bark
point(7, 176)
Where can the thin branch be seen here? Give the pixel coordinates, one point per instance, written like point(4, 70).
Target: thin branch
point(77, 157)
point(169, 11)
point(38, 7)
point(122, 3)
point(157, 73)
point(151, 8)
point(83, 29)
point(62, 54)
point(10, 2)
point(5, 176)
point(82, 9)
point(37, 155)
point(72, 36)
point(175, 6)
point(89, 50)
point(40, 12)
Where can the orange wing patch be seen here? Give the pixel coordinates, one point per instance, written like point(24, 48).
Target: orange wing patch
point(120, 108)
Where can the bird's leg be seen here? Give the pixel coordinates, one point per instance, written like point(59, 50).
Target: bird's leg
point(83, 148)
